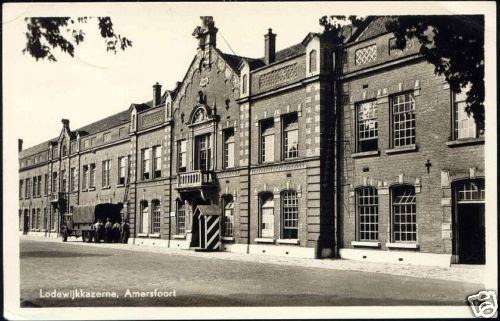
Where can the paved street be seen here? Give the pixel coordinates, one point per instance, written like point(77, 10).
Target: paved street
point(208, 281)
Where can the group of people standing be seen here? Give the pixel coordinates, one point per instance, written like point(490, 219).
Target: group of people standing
point(112, 233)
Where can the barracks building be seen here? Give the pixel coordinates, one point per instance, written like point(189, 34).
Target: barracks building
point(354, 150)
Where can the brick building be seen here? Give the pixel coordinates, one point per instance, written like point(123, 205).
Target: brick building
point(246, 155)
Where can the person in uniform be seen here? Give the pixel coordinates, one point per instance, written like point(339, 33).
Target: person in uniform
point(100, 230)
point(64, 233)
point(115, 232)
point(125, 231)
point(107, 231)
point(95, 227)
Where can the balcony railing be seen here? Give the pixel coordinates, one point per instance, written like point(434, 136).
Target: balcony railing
point(197, 178)
point(56, 197)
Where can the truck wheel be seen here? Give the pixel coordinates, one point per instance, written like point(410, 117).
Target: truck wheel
point(86, 237)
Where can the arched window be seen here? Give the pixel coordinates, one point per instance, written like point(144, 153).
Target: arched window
point(367, 210)
point(470, 191)
point(181, 217)
point(156, 216)
point(227, 217)
point(267, 215)
point(144, 228)
point(290, 214)
point(404, 214)
point(245, 83)
point(65, 150)
point(313, 61)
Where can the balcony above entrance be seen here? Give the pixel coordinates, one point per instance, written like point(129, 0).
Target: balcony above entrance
point(195, 180)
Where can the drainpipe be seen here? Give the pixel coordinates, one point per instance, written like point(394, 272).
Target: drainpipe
point(337, 147)
point(248, 167)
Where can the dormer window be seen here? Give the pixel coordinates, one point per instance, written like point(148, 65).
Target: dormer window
point(245, 84)
point(65, 150)
point(313, 61)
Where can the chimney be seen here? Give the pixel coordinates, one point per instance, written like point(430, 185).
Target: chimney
point(65, 123)
point(156, 94)
point(206, 33)
point(19, 145)
point(270, 47)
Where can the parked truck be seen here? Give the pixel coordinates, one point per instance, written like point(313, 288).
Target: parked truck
point(81, 221)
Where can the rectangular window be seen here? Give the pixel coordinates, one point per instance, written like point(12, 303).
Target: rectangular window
point(464, 124)
point(290, 215)
point(228, 148)
point(38, 219)
point(181, 155)
point(92, 176)
point(106, 171)
point(367, 127)
point(156, 219)
point(122, 163)
point(403, 120)
point(181, 217)
point(39, 185)
point(290, 136)
point(267, 140)
point(46, 184)
point(145, 163)
point(228, 217)
point(73, 179)
point(367, 206)
point(27, 191)
point(54, 182)
point(34, 186)
point(85, 177)
point(157, 161)
point(21, 182)
point(64, 185)
point(471, 191)
point(404, 211)
point(203, 152)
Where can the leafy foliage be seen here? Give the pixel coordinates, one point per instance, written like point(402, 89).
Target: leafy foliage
point(453, 44)
point(47, 33)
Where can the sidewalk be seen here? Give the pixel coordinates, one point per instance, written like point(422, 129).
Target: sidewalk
point(459, 273)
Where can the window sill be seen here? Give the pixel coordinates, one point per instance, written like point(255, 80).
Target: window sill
point(228, 238)
point(366, 243)
point(366, 154)
point(179, 236)
point(142, 235)
point(155, 235)
point(106, 187)
point(288, 241)
point(412, 246)
point(465, 141)
point(91, 189)
point(405, 149)
point(264, 240)
point(120, 185)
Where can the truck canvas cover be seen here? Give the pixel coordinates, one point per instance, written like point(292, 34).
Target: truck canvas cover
point(89, 213)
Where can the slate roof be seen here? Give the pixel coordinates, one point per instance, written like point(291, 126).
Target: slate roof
point(375, 27)
point(291, 51)
point(100, 125)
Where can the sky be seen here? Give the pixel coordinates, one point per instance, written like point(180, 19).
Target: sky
point(96, 84)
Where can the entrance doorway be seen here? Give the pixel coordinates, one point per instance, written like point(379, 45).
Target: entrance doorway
point(470, 245)
point(471, 237)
